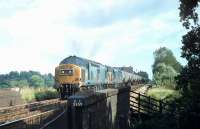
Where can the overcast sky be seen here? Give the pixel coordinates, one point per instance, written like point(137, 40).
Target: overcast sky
point(38, 34)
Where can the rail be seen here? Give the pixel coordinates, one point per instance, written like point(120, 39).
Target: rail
point(35, 121)
point(32, 122)
point(20, 111)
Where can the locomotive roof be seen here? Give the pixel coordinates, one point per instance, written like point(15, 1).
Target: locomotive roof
point(84, 62)
point(78, 61)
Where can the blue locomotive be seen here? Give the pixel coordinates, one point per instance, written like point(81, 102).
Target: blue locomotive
point(75, 73)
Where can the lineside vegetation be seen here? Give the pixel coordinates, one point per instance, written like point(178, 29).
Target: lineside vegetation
point(30, 94)
point(165, 94)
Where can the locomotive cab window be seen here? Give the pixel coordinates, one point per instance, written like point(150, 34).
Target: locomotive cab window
point(68, 72)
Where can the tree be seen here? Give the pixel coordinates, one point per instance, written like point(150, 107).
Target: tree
point(49, 79)
point(189, 77)
point(188, 12)
point(37, 81)
point(13, 75)
point(165, 75)
point(24, 78)
point(165, 55)
point(23, 83)
point(165, 67)
point(143, 74)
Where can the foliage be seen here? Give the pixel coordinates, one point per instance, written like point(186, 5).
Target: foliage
point(36, 81)
point(189, 113)
point(188, 12)
point(23, 78)
point(28, 94)
point(48, 79)
point(165, 67)
point(143, 74)
point(32, 94)
point(158, 121)
point(164, 75)
point(45, 93)
point(189, 77)
point(165, 55)
point(165, 94)
point(188, 80)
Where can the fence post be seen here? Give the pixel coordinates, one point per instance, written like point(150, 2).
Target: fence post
point(160, 106)
point(138, 102)
point(149, 104)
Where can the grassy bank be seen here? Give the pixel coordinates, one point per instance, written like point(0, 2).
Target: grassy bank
point(165, 94)
point(37, 94)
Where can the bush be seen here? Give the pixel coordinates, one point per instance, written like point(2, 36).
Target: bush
point(164, 94)
point(38, 94)
point(158, 121)
point(45, 93)
point(28, 94)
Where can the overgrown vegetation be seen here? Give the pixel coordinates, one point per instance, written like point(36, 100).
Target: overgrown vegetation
point(37, 94)
point(24, 79)
point(28, 94)
point(158, 121)
point(188, 80)
point(164, 94)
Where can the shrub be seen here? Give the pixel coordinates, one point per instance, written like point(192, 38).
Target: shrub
point(28, 94)
point(158, 121)
point(38, 94)
point(45, 93)
point(164, 94)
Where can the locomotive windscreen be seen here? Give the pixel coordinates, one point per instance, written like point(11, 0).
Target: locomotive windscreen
point(66, 72)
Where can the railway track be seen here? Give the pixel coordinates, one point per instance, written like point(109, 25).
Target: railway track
point(9, 114)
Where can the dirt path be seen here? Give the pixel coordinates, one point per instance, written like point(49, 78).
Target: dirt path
point(10, 98)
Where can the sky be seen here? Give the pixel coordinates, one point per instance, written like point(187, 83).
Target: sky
point(38, 34)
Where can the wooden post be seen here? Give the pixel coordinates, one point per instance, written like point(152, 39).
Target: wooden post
point(149, 104)
point(138, 102)
point(160, 106)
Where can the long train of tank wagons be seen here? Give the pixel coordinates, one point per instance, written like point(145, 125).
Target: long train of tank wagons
point(75, 73)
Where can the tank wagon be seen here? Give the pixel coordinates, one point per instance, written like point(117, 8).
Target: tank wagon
point(75, 73)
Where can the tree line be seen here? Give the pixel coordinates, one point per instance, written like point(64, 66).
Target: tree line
point(26, 78)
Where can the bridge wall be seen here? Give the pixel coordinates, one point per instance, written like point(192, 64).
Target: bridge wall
point(106, 109)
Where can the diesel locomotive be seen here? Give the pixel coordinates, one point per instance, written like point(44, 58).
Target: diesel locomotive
point(75, 73)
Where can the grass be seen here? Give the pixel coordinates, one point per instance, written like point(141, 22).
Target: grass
point(38, 94)
point(165, 94)
point(28, 94)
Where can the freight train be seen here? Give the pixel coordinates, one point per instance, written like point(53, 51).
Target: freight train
point(75, 73)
